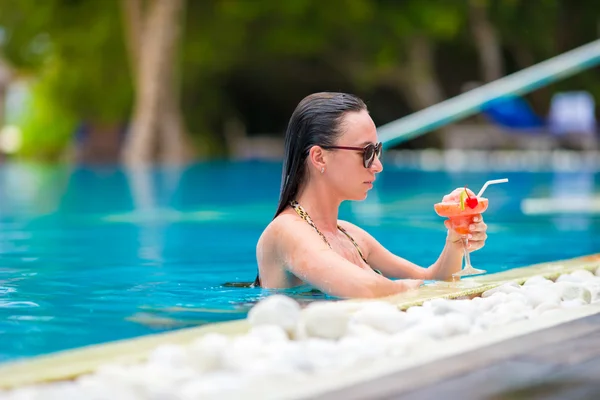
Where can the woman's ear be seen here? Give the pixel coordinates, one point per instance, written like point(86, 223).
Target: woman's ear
point(316, 157)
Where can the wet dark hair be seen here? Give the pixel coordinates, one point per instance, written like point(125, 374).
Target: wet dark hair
point(316, 121)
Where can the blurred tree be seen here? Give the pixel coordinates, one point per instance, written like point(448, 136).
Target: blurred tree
point(486, 40)
point(157, 130)
point(73, 54)
point(5, 78)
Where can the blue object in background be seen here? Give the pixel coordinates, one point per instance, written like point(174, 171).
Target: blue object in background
point(512, 112)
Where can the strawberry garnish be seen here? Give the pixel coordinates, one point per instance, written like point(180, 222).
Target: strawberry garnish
point(472, 202)
point(466, 199)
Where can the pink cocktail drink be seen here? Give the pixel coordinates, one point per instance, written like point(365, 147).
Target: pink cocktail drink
point(460, 218)
point(460, 207)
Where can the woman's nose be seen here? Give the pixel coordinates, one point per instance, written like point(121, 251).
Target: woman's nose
point(377, 166)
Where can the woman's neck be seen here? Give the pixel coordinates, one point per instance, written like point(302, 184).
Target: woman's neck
point(321, 206)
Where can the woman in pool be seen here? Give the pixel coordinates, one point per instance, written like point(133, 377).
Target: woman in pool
point(332, 155)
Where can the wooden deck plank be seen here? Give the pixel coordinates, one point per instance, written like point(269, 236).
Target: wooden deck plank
point(569, 382)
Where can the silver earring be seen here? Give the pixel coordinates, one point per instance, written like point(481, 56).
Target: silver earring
point(322, 169)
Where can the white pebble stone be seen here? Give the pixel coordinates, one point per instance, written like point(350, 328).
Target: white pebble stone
point(542, 294)
point(487, 303)
point(94, 387)
point(511, 311)
point(383, 317)
point(583, 274)
point(321, 353)
point(409, 343)
point(569, 278)
point(293, 356)
point(325, 320)
point(434, 328)
point(276, 310)
point(594, 288)
point(476, 329)
point(556, 312)
point(416, 314)
point(444, 306)
point(537, 280)
point(206, 352)
point(212, 386)
point(457, 324)
point(163, 389)
point(597, 271)
point(349, 344)
point(108, 371)
point(94, 383)
point(363, 331)
point(27, 393)
point(509, 287)
point(268, 334)
point(493, 319)
point(478, 302)
point(242, 351)
point(546, 306)
point(572, 291)
point(519, 297)
point(137, 376)
point(397, 347)
point(573, 303)
point(368, 349)
point(170, 355)
point(466, 307)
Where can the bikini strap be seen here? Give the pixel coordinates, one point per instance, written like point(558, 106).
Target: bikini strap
point(304, 215)
point(354, 243)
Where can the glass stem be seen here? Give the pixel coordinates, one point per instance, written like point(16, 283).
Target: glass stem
point(466, 251)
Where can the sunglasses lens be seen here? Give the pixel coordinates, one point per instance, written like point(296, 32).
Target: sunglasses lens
point(369, 155)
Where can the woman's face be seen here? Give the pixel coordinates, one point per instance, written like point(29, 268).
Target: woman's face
point(345, 168)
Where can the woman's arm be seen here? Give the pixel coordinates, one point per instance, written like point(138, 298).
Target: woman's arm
point(393, 266)
point(310, 259)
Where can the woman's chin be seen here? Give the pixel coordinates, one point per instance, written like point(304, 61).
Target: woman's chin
point(359, 196)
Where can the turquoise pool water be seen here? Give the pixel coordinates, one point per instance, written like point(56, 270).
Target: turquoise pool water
point(93, 255)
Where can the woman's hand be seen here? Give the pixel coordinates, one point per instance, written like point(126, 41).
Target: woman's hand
point(477, 234)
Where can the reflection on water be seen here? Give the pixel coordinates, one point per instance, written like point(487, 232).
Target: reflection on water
point(573, 187)
point(106, 254)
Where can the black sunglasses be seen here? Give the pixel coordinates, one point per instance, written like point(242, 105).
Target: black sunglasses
point(369, 152)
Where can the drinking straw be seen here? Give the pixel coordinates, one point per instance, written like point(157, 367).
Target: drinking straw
point(492, 182)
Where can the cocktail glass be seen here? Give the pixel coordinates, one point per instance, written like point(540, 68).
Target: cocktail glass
point(461, 216)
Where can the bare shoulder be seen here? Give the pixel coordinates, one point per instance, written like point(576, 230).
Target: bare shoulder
point(272, 233)
point(284, 230)
point(288, 234)
point(268, 249)
point(286, 245)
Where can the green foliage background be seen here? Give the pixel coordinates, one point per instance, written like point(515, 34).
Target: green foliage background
point(253, 60)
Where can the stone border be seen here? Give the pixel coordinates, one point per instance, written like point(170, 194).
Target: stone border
point(72, 363)
point(326, 384)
